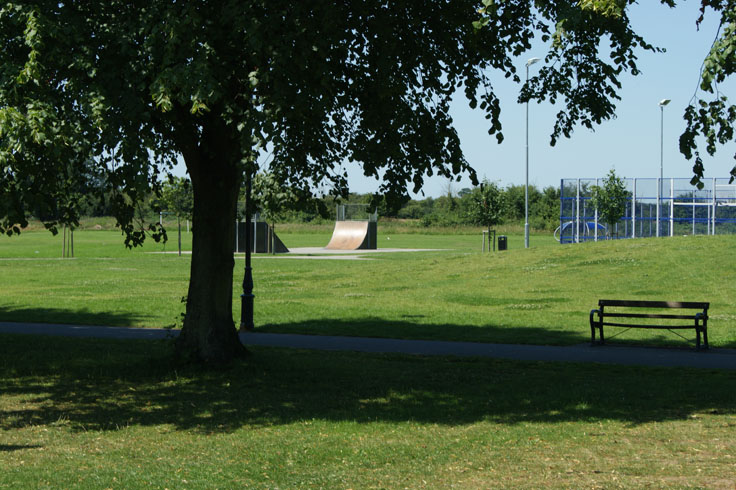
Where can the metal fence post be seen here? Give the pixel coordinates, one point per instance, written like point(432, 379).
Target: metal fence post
point(672, 207)
point(577, 213)
point(659, 198)
point(633, 209)
point(715, 203)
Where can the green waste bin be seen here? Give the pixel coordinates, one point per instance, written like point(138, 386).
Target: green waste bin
point(502, 244)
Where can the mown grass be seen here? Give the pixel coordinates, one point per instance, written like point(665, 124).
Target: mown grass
point(540, 295)
point(84, 413)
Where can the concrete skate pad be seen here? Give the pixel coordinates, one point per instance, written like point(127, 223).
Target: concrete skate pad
point(353, 235)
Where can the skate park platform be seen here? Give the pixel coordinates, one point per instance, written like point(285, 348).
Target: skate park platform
point(326, 251)
point(320, 253)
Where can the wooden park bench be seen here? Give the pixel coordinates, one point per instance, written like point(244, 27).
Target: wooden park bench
point(626, 313)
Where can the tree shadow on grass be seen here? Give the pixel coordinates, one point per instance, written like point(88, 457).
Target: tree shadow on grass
point(71, 316)
point(416, 327)
point(95, 384)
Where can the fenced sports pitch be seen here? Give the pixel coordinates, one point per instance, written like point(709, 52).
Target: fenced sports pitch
point(656, 207)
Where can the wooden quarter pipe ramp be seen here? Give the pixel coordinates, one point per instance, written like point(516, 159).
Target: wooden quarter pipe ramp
point(353, 235)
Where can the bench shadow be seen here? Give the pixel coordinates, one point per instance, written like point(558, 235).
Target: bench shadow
point(104, 385)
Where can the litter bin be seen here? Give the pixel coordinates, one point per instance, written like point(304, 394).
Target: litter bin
point(502, 242)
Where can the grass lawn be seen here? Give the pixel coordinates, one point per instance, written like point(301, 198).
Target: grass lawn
point(84, 413)
point(540, 295)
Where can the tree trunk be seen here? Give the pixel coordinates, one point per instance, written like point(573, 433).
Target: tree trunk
point(208, 333)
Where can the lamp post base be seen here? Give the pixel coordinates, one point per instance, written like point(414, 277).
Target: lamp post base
point(246, 320)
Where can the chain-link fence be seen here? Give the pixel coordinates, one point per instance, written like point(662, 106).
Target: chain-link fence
point(656, 207)
point(356, 212)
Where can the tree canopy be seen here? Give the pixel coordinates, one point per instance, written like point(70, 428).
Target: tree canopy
point(130, 86)
point(710, 115)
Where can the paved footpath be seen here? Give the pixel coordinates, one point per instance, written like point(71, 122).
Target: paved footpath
point(608, 354)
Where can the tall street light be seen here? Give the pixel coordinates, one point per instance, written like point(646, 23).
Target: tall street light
point(662, 104)
point(529, 63)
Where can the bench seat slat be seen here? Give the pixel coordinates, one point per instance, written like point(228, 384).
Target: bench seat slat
point(653, 304)
point(632, 325)
point(607, 314)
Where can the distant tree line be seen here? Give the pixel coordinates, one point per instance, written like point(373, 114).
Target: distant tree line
point(487, 204)
point(458, 208)
point(464, 207)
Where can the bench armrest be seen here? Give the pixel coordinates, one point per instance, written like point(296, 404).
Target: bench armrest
point(595, 324)
point(592, 314)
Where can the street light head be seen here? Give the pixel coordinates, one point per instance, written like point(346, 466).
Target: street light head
point(664, 102)
point(531, 61)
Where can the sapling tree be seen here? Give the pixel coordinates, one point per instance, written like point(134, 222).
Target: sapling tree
point(610, 200)
point(177, 198)
point(487, 205)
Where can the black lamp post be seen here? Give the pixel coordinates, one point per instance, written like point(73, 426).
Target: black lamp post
point(246, 299)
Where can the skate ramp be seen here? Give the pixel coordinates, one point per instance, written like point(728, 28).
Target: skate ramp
point(353, 235)
point(261, 239)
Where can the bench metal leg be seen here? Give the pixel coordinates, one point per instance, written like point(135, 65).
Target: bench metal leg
point(701, 325)
point(592, 327)
point(595, 324)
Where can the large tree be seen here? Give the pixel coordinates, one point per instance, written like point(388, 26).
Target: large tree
point(135, 84)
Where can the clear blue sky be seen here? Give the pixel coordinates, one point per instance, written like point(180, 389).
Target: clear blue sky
point(630, 143)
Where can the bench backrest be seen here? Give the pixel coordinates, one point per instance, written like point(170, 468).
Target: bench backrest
point(654, 304)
